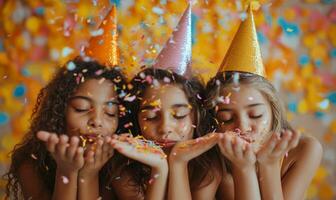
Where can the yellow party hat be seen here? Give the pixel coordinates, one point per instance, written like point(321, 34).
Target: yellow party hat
point(103, 47)
point(244, 52)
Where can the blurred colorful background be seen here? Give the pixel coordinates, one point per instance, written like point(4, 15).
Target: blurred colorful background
point(297, 37)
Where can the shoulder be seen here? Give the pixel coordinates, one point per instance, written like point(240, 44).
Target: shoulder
point(308, 152)
point(309, 145)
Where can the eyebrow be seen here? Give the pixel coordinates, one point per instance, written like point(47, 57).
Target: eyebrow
point(180, 105)
point(90, 100)
point(150, 107)
point(248, 106)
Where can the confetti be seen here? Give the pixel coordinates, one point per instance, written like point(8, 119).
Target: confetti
point(65, 180)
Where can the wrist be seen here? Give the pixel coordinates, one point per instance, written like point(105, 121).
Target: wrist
point(175, 160)
point(162, 167)
point(88, 175)
point(268, 166)
point(244, 170)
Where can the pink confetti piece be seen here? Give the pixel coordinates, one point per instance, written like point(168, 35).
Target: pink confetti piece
point(65, 180)
point(99, 72)
point(130, 98)
point(33, 156)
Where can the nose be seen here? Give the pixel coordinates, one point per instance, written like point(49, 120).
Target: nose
point(165, 126)
point(95, 120)
point(243, 125)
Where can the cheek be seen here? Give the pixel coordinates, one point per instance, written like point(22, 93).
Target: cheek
point(74, 123)
point(112, 125)
point(148, 129)
point(185, 128)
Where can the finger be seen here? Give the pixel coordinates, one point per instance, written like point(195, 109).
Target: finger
point(282, 145)
point(62, 145)
point(125, 136)
point(202, 144)
point(248, 152)
point(90, 157)
point(295, 139)
point(107, 149)
point(271, 143)
point(79, 156)
point(53, 140)
point(99, 150)
point(237, 147)
point(43, 135)
point(71, 150)
point(227, 145)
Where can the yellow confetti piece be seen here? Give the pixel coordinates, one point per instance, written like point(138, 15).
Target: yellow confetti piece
point(302, 107)
point(33, 24)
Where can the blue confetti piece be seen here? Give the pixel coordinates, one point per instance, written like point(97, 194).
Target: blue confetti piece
point(332, 97)
point(19, 90)
point(40, 10)
point(163, 2)
point(318, 63)
point(293, 107)
point(158, 10)
point(115, 2)
point(1, 45)
point(66, 51)
point(143, 25)
point(324, 104)
point(333, 53)
point(304, 59)
point(319, 115)
point(4, 118)
point(71, 66)
point(261, 37)
point(328, 1)
point(194, 20)
point(289, 29)
point(25, 72)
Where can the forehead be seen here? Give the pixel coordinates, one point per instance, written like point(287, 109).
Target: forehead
point(97, 89)
point(168, 94)
point(242, 95)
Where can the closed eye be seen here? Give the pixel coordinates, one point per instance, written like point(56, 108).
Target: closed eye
point(180, 116)
point(111, 114)
point(256, 116)
point(81, 110)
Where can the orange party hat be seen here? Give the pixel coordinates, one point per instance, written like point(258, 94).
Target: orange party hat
point(103, 47)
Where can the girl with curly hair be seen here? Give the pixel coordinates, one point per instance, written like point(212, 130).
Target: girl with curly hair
point(58, 154)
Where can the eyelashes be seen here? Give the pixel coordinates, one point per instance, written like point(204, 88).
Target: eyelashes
point(178, 117)
point(232, 118)
point(78, 110)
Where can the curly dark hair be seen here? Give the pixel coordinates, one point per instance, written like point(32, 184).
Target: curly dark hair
point(49, 115)
point(200, 167)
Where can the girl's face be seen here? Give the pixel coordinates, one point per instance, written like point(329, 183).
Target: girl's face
point(92, 111)
point(245, 111)
point(165, 115)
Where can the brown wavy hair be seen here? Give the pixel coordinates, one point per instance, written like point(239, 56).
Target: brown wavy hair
point(49, 115)
point(200, 167)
